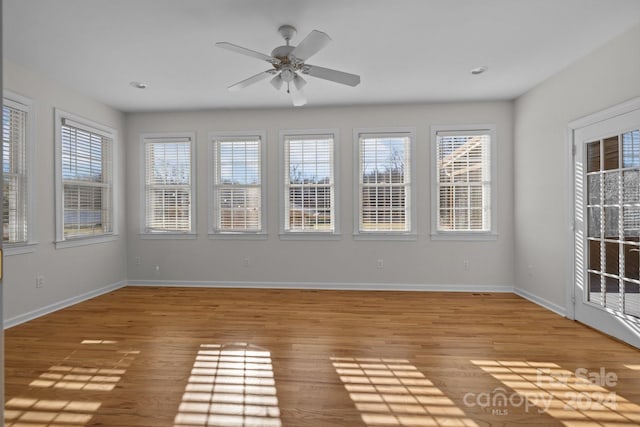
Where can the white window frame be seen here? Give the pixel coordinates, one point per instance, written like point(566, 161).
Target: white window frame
point(411, 211)
point(483, 129)
point(22, 103)
point(309, 235)
point(146, 138)
point(96, 128)
point(214, 139)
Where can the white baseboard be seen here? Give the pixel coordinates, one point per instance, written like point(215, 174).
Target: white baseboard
point(541, 302)
point(8, 323)
point(324, 286)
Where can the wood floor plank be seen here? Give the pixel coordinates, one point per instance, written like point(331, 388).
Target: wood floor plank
point(189, 357)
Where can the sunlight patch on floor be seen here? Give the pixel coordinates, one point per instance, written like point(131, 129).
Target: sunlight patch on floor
point(95, 366)
point(393, 392)
point(230, 385)
point(581, 398)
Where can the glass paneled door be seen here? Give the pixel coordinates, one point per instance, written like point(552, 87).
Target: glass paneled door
point(607, 224)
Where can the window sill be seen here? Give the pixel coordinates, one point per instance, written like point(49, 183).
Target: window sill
point(310, 236)
point(168, 236)
point(385, 236)
point(19, 249)
point(464, 236)
point(238, 236)
point(84, 241)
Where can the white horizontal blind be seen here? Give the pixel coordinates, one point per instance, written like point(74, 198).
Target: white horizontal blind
point(14, 168)
point(237, 184)
point(385, 183)
point(309, 183)
point(87, 182)
point(464, 181)
point(168, 185)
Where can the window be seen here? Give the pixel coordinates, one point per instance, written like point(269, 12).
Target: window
point(464, 177)
point(385, 183)
point(309, 199)
point(237, 192)
point(84, 179)
point(168, 185)
point(16, 145)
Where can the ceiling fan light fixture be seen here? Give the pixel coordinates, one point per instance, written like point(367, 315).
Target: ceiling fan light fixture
point(287, 74)
point(299, 82)
point(277, 82)
point(479, 70)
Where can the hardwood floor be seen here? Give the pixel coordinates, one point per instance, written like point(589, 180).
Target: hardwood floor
point(188, 357)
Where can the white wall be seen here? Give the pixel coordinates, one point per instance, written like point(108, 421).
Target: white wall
point(606, 77)
point(70, 272)
point(421, 262)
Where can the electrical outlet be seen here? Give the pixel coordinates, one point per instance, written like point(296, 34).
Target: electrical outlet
point(380, 263)
point(465, 264)
point(157, 269)
point(138, 260)
point(39, 281)
point(245, 262)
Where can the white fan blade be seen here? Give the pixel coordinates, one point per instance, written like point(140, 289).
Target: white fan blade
point(251, 80)
point(299, 82)
point(297, 95)
point(244, 51)
point(311, 45)
point(277, 82)
point(333, 75)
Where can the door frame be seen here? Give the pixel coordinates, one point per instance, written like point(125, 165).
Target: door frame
point(570, 187)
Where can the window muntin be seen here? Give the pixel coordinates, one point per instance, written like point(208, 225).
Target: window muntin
point(168, 185)
point(237, 191)
point(86, 178)
point(16, 186)
point(384, 176)
point(613, 222)
point(309, 184)
point(463, 182)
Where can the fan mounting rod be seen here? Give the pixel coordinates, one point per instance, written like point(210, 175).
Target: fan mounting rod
point(287, 32)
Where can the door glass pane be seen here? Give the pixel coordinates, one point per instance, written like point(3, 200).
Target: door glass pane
point(594, 255)
point(631, 219)
point(593, 189)
point(611, 223)
point(593, 156)
point(611, 261)
point(631, 187)
point(631, 261)
point(595, 288)
point(611, 153)
point(612, 295)
point(594, 222)
point(631, 149)
point(632, 298)
point(611, 187)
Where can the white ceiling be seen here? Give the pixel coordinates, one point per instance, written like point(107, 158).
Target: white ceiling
point(404, 50)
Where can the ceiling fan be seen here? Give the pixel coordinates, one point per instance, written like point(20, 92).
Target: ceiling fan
point(288, 62)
